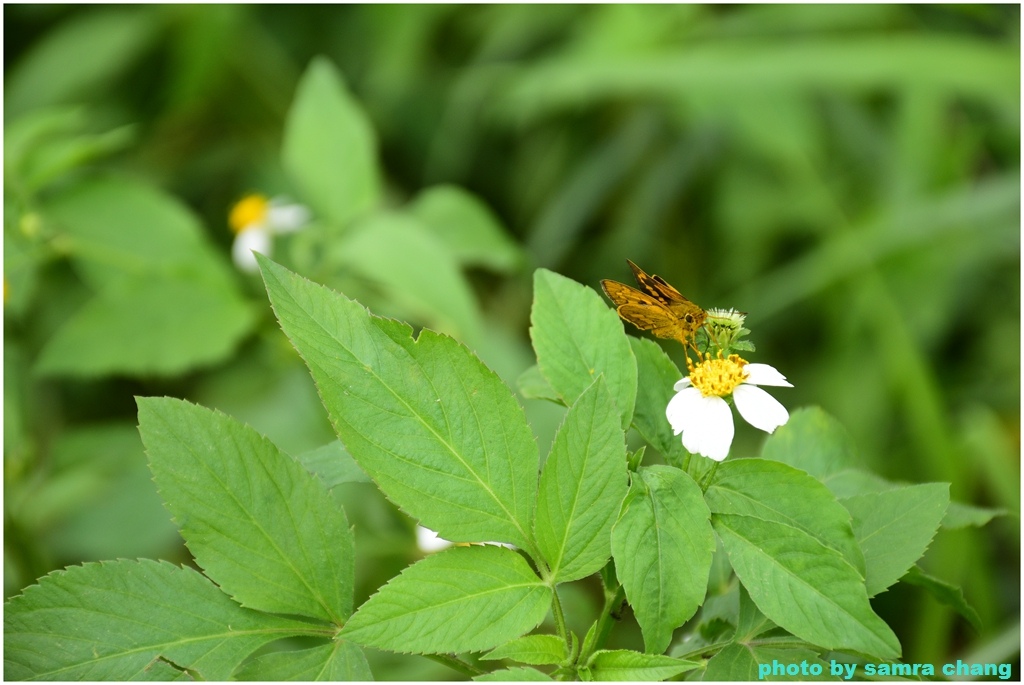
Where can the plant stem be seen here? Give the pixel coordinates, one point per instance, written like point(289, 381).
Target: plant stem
point(455, 664)
point(612, 601)
point(556, 611)
point(612, 604)
point(706, 481)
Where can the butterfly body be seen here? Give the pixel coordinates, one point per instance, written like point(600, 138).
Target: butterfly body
point(656, 307)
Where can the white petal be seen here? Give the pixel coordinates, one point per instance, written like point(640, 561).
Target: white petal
point(709, 430)
point(283, 218)
point(685, 383)
point(249, 240)
point(760, 409)
point(763, 374)
point(682, 408)
point(429, 541)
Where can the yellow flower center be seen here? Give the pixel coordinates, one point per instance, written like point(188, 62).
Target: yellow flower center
point(718, 377)
point(250, 211)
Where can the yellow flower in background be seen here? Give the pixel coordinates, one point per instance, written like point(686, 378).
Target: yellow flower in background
point(699, 410)
point(255, 219)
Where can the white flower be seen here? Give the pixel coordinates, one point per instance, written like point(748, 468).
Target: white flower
point(700, 413)
point(255, 219)
point(428, 541)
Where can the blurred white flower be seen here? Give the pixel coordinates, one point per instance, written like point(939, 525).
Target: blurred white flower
point(428, 541)
point(255, 219)
point(700, 412)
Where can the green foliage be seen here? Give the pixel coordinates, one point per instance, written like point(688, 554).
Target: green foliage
point(624, 665)
point(423, 276)
point(948, 594)
point(773, 492)
point(43, 146)
point(531, 649)
point(803, 586)
point(114, 619)
point(134, 323)
point(662, 544)
point(460, 600)
point(739, 662)
point(116, 230)
point(847, 175)
point(202, 463)
point(894, 528)
point(329, 148)
point(137, 327)
point(831, 452)
point(438, 432)
point(444, 439)
point(467, 228)
point(516, 674)
point(577, 338)
point(656, 374)
point(332, 464)
point(84, 53)
point(339, 660)
point(582, 487)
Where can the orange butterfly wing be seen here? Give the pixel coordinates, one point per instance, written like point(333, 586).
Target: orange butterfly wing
point(660, 308)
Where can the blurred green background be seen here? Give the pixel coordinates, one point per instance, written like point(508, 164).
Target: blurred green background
point(848, 175)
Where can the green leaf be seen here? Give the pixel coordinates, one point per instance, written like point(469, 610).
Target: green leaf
point(82, 56)
point(160, 670)
point(120, 231)
point(624, 664)
point(333, 464)
point(148, 326)
point(750, 622)
point(941, 63)
point(895, 527)
point(803, 586)
point(23, 262)
point(261, 526)
point(98, 482)
point(656, 374)
point(329, 147)
point(850, 482)
point(109, 621)
point(166, 301)
point(439, 432)
point(467, 227)
point(577, 338)
point(812, 441)
point(662, 545)
point(739, 662)
point(59, 157)
point(516, 674)
point(533, 386)
point(582, 487)
point(946, 593)
point(339, 660)
point(960, 515)
point(464, 599)
point(396, 252)
point(776, 492)
point(530, 649)
point(44, 145)
point(24, 134)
